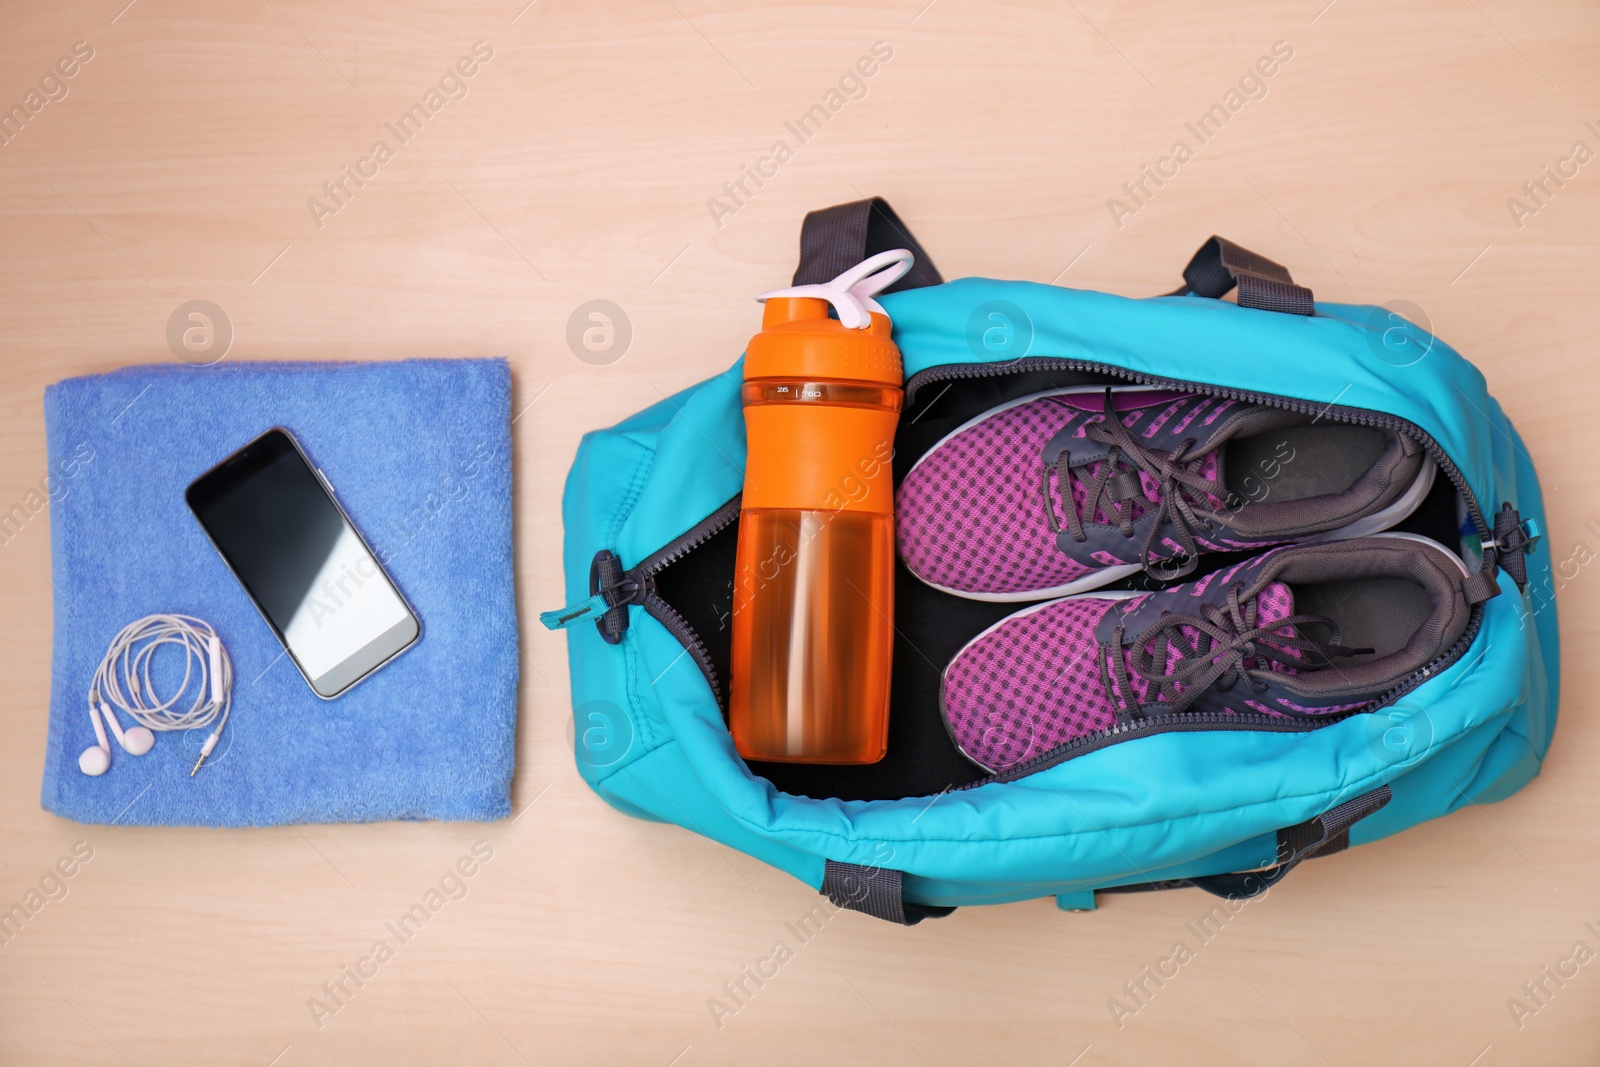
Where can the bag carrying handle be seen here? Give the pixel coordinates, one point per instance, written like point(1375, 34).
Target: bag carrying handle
point(1220, 265)
point(877, 891)
point(835, 239)
point(874, 891)
point(1322, 836)
point(1332, 830)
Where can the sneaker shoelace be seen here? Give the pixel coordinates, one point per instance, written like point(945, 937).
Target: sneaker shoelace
point(1115, 491)
point(1182, 655)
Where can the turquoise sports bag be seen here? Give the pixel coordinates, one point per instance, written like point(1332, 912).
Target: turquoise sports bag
point(651, 506)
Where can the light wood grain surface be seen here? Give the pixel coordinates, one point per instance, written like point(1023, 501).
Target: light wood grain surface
point(579, 162)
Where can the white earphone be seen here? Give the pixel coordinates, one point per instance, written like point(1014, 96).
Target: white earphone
point(97, 758)
point(123, 678)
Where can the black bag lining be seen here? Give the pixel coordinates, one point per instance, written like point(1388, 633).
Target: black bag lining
point(931, 627)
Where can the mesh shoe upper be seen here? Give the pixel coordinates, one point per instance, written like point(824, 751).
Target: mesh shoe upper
point(1070, 668)
point(1042, 495)
point(970, 515)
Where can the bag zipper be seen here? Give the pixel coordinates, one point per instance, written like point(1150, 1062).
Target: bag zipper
point(1183, 722)
point(665, 613)
point(637, 585)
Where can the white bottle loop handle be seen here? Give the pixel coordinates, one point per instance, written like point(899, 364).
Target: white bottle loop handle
point(852, 292)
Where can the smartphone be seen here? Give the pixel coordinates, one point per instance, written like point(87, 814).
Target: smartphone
point(273, 518)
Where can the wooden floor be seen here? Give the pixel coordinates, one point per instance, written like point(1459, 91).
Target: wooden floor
point(203, 151)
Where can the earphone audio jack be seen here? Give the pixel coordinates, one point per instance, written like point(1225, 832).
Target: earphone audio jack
point(205, 750)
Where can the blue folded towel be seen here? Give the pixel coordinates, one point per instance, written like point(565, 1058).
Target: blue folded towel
point(419, 453)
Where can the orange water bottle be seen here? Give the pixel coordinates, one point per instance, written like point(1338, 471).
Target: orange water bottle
point(813, 602)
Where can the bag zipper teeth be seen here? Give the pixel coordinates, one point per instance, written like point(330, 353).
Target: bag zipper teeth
point(679, 628)
point(1357, 416)
point(1446, 659)
point(643, 577)
point(693, 538)
point(1183, 721)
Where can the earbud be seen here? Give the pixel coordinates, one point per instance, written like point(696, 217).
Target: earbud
point(96, 759)
point(136, 742)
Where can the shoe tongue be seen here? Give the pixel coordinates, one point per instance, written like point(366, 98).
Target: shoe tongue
point(1274, 602)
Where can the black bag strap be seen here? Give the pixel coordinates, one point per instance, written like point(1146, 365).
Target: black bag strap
point(834, 239)
point(1483, 585)
point(877, 891)
point(1322, 836)
point(1326, 834)
point(874, 891)
point(1220, 265)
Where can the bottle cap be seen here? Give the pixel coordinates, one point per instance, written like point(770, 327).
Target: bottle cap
point(799, 340)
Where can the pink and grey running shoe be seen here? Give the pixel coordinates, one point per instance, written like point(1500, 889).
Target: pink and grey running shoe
point(1070, 490)
point(1303, 632)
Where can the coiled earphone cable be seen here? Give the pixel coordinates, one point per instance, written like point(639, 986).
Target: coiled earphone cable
point(123, 681)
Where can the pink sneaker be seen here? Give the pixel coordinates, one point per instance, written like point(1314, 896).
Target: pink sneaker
point(1299, 635)
point(1070, 490)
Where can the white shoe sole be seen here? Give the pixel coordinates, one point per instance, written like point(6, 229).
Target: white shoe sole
point(1431, 543)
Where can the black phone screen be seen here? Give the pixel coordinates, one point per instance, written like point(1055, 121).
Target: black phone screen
point(310, 574)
